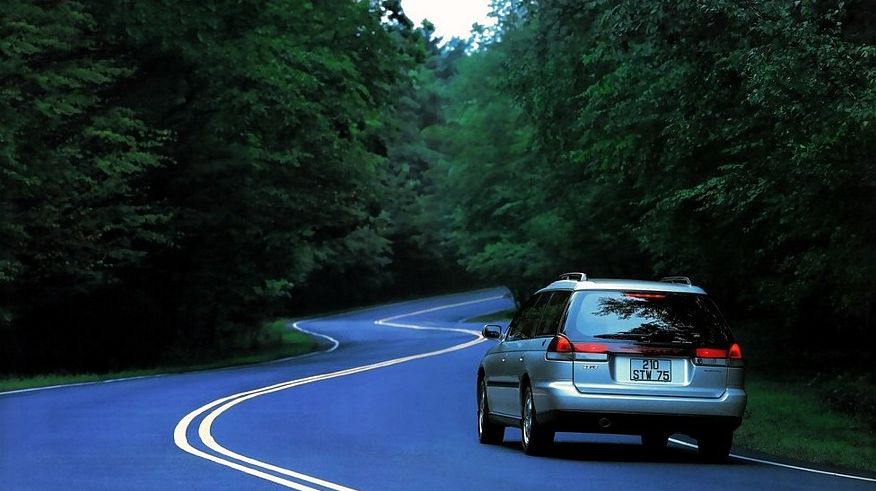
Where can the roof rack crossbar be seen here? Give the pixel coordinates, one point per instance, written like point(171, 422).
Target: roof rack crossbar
point(574, 276)
point(684, 280)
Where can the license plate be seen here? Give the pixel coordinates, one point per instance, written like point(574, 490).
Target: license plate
point(650, 370)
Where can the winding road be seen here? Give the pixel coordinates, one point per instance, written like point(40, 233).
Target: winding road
point(389, 404)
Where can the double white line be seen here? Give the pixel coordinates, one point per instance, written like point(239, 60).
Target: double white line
point(257, 468)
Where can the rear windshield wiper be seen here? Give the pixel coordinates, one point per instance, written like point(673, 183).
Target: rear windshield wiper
point(625, 335)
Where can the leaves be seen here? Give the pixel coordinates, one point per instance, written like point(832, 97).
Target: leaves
point(729, 142)
point(194, 163)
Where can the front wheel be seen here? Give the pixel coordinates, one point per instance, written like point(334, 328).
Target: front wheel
point(535, 438)
point(488, 432)
point(715, 447)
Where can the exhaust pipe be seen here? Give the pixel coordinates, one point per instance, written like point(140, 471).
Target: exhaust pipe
point(604, 423)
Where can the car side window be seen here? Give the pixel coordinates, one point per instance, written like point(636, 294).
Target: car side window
point(514, 326)
point(553, 314)
point(528, 318)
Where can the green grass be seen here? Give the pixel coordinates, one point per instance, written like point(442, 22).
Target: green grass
point(275, 341)
point(502, 315)
point(791, 420)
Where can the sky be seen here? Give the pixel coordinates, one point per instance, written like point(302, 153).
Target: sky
point(451, 17)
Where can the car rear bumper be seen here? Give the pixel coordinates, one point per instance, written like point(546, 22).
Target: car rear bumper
point(635, 424)
point(560, 405)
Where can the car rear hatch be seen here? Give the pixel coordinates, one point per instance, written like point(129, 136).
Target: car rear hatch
point(648, 344)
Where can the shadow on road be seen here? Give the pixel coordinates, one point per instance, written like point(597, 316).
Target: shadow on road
point(616, 452)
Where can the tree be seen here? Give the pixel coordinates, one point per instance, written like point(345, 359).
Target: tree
point(182, 169)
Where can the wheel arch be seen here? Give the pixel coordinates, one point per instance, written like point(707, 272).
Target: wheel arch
point(524, 383)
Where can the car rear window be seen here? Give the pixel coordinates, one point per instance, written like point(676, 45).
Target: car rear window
point(646, 317)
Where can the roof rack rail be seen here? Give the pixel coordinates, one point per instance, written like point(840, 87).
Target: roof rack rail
point(574, 276)
point(684, 280)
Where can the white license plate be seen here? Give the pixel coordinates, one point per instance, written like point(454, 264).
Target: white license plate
point(650, 370)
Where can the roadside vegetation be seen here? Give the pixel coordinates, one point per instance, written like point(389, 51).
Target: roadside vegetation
point(274, 341)
point(807, 403)
point(792, 420)
point(502, 316)
point(173, 176)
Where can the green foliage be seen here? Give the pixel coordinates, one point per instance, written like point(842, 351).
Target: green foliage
point(789, 419)
point(273, 341)
point(71, 162)
point(184, 168)
point(474, 184)
point(730, 142)
point(190, 169)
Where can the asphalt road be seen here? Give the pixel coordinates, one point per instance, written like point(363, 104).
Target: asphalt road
point(391, 407)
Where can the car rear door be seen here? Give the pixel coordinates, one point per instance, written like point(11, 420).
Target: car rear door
point(503, 381)
point(534, 356)
point(645, 344)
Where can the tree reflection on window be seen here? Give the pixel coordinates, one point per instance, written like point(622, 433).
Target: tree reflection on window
point(671, 319)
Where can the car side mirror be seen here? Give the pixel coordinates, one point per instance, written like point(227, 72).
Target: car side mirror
point(492, 331)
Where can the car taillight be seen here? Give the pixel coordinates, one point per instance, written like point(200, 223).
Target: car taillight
point(719, 357)
point(711, 353)
point(561, 349)
point(735, 352)
point(591, 348)
point(560, 344)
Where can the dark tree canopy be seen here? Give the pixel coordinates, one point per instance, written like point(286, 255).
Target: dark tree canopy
point(729, 141)
point(173, 174)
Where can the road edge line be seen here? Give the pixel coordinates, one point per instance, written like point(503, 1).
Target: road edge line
point(779, 464)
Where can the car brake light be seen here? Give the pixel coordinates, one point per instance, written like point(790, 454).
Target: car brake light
point(590, 348)
point(561, 349)
point(646, 296)
point(711, 353)
point(735, 352)
point(560, 344)
point(719, 357)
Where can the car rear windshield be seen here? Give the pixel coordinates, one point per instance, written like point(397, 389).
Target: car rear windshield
point(647, 317)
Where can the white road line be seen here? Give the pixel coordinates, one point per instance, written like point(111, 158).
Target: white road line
point(779, 464)
point(219, 406)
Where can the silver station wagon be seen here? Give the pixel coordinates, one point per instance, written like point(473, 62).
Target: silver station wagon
point(649, 358)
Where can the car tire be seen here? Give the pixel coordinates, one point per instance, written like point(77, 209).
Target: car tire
point(655, 442)
point(715, 447)
point(534, 437)
point(489, 433)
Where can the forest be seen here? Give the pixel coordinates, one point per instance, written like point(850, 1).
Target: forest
point(175, 174)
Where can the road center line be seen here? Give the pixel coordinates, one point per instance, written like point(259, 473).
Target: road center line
point(219, 406)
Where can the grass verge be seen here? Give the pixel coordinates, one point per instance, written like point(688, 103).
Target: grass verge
point(501, 316)
point(790, 420)
point(278, 342)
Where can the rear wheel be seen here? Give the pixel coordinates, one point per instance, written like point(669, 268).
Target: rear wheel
point(488, 432)
point(535, 438)
point(715, 446)
point(655, 442)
